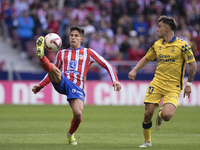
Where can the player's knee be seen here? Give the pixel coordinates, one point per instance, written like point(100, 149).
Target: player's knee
point(77, 114)
point(55, 68)
point(55, 75)
point(167, 117)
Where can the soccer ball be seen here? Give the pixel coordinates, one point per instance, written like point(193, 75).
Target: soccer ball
point(52, 42)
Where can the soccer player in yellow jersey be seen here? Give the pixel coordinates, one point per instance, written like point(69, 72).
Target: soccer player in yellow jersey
point(172, 55)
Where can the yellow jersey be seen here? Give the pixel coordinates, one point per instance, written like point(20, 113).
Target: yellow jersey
point(172, 58)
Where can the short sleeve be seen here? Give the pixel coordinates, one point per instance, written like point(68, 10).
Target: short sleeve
point(187, 53)
point(151, 54)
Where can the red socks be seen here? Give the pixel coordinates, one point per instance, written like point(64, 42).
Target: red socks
point(46, 64)
point(74, 125)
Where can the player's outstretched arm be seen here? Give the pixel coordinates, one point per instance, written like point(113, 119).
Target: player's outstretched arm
point(192, 72)
point(140, 64)
point(116, 85)
point(36, 88)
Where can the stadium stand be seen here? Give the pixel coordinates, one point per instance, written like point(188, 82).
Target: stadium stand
point(126, 27)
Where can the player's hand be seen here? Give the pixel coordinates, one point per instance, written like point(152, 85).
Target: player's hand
point(187, 91)
point(36, 89)
point(132, 74)
point(116, 85)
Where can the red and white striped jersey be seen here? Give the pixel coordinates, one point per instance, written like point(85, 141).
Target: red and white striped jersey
point(74, 64)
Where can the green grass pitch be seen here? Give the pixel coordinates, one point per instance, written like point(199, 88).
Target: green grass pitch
point(44, 127)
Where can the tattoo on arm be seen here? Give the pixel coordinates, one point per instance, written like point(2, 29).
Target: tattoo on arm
point(192, 71)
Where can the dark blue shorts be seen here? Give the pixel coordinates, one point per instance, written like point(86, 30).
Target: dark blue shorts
point(70, 89)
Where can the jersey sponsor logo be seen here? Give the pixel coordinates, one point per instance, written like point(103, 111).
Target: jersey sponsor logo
point(72, 65)
point(166, 60)
point(75, 91)
point(79, 92)
point(163, 56)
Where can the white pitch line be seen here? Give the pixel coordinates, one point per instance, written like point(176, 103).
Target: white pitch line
point(108, 134)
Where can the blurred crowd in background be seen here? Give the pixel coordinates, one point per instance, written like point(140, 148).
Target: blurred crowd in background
point(116, 29)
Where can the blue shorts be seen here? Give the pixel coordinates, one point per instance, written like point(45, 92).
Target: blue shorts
point(70, 89)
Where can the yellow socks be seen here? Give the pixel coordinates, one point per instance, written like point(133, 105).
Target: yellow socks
point(147, 130)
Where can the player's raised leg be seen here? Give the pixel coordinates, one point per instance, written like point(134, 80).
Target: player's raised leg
point(45, 63)
point(77, 108)
point(40, 47)
point(53, 71)
point(165, 113)
point(159, 120)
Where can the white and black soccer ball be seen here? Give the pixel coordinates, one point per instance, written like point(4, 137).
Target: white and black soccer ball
point(52, 42)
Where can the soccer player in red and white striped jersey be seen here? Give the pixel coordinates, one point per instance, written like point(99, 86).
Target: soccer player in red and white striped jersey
point(74, 64)
point(68, 73)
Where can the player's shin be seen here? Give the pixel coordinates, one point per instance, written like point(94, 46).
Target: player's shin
point(46, 64)
point(74, 125)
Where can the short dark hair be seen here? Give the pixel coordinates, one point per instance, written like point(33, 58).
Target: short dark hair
point(168, 20)
point(77, 28)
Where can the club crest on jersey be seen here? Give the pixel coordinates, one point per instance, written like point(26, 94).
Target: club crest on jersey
point(72, 65)
point(81, 57)
point(160, 48)
point(172, 49)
